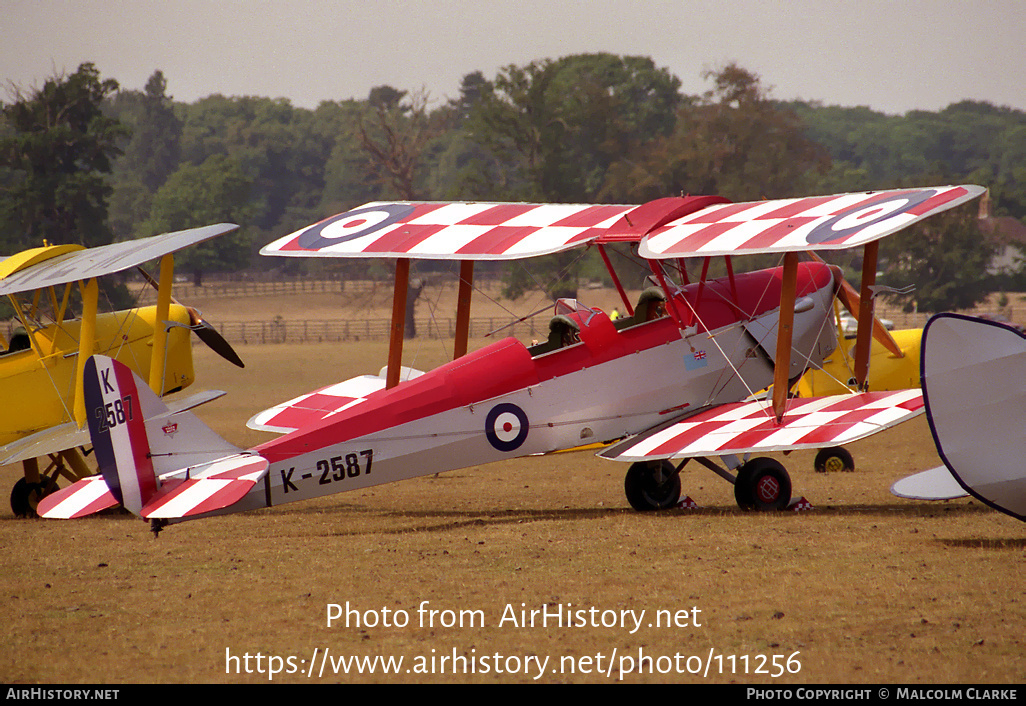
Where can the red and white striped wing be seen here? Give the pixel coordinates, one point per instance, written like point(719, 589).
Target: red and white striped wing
point(787, 225)
point(305, 410)
point(500, 231)
point(466, 231)
point(745, 427)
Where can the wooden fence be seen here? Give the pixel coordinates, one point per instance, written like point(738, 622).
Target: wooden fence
point(185, 291)
point(330, 330)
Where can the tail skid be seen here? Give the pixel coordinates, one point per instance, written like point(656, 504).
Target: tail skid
point(159, 465)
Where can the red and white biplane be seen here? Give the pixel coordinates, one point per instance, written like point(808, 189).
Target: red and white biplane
point(678, 377)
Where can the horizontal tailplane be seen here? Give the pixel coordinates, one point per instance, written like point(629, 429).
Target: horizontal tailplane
point(156, 463)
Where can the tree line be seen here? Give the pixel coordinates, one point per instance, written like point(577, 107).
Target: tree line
point(84, 160)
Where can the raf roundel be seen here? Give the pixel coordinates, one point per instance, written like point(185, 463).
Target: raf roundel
point(351, 225)
point(506, 427)
point(845, 223)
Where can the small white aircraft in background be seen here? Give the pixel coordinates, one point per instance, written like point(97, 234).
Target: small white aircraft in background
point(974, 384)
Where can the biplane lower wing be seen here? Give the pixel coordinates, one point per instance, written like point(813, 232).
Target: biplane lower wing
point(748, 427)
point(306, 410)
point(68, 435)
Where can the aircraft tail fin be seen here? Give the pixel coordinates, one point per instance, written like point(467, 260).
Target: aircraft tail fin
point(156, 463)
point(117, 408)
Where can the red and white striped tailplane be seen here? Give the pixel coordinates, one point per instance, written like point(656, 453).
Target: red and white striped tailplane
point(156, 463)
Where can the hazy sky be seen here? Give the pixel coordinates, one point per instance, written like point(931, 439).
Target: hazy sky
point(890, 55)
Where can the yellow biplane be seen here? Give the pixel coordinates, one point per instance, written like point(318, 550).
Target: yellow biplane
point(41, 360)
point(893, 365)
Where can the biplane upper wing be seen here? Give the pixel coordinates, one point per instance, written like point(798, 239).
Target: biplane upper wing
point(832, 222)
point(76, 264)
point(746, 427)
point(671, 227)
point(466, 231)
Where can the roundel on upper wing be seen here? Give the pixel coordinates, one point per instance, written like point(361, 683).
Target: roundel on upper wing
point(506, 427)
point(858, 217)
point(352, 224)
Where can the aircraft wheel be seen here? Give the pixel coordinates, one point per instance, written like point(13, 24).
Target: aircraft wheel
point(25, 496)
point(652, 485)
point(836, 458)
point(762, 484)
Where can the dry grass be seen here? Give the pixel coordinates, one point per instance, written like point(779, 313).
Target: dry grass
point(865, 588)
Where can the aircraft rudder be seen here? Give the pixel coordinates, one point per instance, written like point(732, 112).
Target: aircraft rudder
point(117, 402)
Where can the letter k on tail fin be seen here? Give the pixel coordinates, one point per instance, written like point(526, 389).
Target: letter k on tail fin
point(158, 464)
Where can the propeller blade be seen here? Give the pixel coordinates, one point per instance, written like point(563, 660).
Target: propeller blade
point(214, 340)
point(206, 333)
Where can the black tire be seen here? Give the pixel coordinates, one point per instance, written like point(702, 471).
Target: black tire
point(743, 489)
point(25, 496)
point(762, 484)
point(835, 458)
point(652, 485)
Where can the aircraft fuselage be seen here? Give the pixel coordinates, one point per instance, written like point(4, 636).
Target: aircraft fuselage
point(508, 400)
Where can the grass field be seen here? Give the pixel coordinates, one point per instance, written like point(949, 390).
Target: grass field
point(864, 588)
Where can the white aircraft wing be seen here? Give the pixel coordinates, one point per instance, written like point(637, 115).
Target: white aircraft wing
point(746, 427)
point(105, 259)
point(974, 384)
